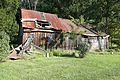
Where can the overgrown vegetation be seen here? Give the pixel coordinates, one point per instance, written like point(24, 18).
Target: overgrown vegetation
point(8, 10)
point(62, 53)
point(82, 49)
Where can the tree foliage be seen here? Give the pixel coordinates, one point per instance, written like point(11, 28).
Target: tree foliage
point(4, 45)
point(8, 25)
point(82, 48)
point(8, 10)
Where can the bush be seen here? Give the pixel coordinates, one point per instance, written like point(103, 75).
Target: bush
point(57, 52)
point(62, 53)
point(82, 49)
point(4, 45)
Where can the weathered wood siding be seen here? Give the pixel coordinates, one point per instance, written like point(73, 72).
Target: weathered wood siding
point(39, 37)
point(97, 43)
point(69, 44)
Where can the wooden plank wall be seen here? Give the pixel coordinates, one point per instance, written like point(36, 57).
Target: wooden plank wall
point(39, 37)
point(69, 44)
point(39, 40)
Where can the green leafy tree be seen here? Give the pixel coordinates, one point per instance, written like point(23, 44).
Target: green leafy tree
point(8, 25)
point(8, 10)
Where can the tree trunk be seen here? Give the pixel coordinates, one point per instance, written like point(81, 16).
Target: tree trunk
point(35, 4)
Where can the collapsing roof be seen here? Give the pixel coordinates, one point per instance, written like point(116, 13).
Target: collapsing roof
point(67, 27)
point(40, 16)
point(51, 21)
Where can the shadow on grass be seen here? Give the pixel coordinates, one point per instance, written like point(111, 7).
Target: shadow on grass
point(2, 62)
point(68, 55)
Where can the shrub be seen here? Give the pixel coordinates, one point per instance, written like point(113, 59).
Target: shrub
point(57, 52)
point(82, 49)
point(4, 45)
point(62, 53)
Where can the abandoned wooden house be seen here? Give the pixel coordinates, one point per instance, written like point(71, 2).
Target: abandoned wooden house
point(47, 25)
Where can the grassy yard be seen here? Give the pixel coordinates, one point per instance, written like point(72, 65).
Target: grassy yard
point(92, 67)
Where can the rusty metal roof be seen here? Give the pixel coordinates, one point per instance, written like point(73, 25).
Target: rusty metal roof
point(31, 14)
point(28, 24)
point(70, 26)
point(55, 21)
point(66, 25)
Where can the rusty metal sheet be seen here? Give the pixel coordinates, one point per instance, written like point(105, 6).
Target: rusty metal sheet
point(55, 21)
point(28, 24)
point(66, 25)
point(31, 14)
point(52, 18)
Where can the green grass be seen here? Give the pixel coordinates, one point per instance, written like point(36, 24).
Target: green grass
point(92, 67)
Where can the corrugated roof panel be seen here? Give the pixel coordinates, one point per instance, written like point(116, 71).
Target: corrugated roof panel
point(31, 14)
point(28, 24)
point(52, 18)
point(65, 25)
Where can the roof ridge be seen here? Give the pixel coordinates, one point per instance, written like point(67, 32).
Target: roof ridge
point(90, 29)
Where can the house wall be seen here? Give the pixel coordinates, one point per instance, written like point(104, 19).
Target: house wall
point(39, 37)
point(68, 43)
point(105, 43)
point(39, 40)
point(94, 43)
point(97, 43)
